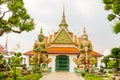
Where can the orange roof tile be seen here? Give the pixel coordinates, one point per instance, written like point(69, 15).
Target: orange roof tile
point(29, 53)
point(66, 50)
point(95, 54)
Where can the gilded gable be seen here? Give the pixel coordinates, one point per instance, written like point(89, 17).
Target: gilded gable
point(63, 37)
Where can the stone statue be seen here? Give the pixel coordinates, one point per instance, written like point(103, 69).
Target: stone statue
point(40, 49)
point(85, 47)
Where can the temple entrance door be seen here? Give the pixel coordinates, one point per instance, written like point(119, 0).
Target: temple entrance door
point(62, 63)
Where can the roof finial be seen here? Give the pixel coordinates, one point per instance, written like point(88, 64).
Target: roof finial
point(41, 32)
point(63, 8)
point(84, 31)
point(63, 22)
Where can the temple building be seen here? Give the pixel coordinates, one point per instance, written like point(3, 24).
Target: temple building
point(59, 50)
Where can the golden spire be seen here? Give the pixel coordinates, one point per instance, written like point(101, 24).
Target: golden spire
point(63, 22)
point(41, 32)
point(84, 30)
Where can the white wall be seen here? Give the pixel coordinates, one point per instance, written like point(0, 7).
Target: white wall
point(52, 63)
point(98, 62)
point(27, 61)
point(72, 64)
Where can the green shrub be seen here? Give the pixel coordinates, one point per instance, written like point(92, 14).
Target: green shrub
point(28, 77)
point(92, 77)
point(83, 74)
point(1, 75)
point(110, 71)
point(10, 78)
point(32, 77)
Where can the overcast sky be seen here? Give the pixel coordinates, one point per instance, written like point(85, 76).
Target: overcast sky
point(79, 14)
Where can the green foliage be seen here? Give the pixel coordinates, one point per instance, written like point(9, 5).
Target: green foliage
point(92, 77)
point(32, 77)
point(112, 64)
point(28, 77)
point(16, 73)
point(106, 60)
point(2, 60)
point(114, 7)
point(1, 56)
point(83, 74)
point(116, 27)
point(115, 53)
point(19, 19)
point(110, 71)
point(15, 62)
point(111, 17)
point(1, 75)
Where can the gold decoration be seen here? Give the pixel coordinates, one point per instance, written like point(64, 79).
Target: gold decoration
point(63, 38)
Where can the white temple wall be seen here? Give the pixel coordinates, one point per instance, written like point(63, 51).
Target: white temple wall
point(27, 61)
point(72, 64)
point(52, 63)
point(98, 62)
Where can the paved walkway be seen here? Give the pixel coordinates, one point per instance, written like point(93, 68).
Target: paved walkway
point(60, 76)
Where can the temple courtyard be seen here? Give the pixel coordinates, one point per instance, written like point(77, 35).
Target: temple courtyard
point(61, 76)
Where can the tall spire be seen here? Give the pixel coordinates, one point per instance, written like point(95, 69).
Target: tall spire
point(41, 32)
point(63, 22)
point(84, 30)
point(84, 35)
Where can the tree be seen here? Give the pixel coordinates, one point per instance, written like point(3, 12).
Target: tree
point(2, 61)
point(106, 60)
point(112, 64)
point(18, 20)
point(15, 62)
point(115, 53)
point(114, 7)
